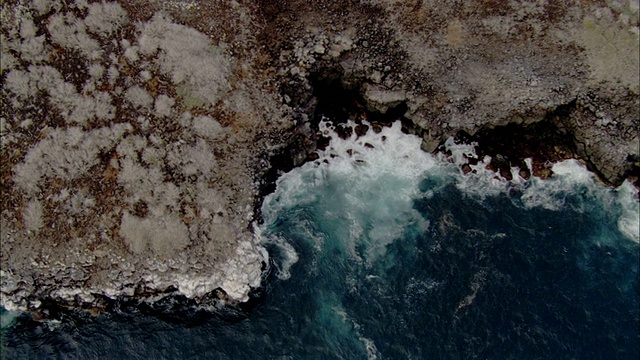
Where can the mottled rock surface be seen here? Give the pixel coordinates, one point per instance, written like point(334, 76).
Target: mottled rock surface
point(139, 136)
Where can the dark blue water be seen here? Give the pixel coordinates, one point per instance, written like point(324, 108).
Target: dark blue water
point(393, 254)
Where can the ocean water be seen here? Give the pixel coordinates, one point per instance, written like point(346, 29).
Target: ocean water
point(380, 251)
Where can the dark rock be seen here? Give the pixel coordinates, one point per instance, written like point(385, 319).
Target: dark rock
point(506, 173)
point(323, 141)
point(344, 131)
point(524, 173)
point(543, 173)
point(361, 129)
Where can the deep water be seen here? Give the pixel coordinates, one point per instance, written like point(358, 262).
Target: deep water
point(379, 250)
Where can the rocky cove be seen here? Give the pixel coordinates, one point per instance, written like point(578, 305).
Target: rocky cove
point(139, 138)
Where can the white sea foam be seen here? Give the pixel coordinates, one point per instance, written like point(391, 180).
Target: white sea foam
point(365, 180)
point(570, 178)
point(8, 318)
point(481, 182)
point(629, 221)
point(369, 185)
point(239, 274)
point(380, 175)
point(369, 345)
point(288, 257)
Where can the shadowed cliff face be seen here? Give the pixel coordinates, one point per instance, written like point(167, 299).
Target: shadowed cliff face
point(138, 137)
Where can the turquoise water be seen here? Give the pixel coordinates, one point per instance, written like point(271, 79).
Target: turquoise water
point(379, 250)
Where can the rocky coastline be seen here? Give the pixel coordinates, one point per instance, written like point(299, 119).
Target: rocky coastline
point(139, 138)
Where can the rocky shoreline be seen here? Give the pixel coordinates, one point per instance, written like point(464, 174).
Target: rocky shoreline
point(139, 138)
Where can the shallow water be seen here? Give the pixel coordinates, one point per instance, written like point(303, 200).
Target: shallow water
point(379, 250)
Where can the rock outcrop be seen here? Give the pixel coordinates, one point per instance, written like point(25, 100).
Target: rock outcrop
point(139, 136)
